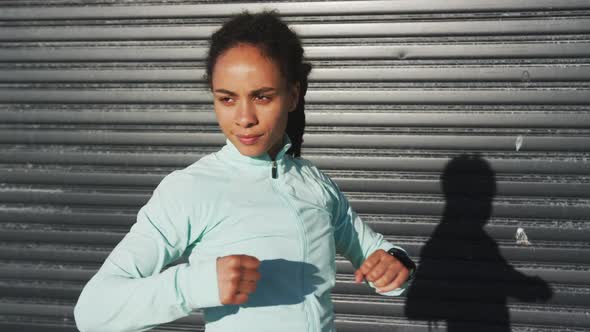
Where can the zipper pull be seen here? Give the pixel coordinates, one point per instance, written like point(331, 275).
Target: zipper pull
point(274, 169)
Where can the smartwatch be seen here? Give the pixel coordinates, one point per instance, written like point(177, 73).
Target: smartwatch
point(404, 259)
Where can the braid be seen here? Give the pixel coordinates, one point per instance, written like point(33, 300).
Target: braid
point(296, 122)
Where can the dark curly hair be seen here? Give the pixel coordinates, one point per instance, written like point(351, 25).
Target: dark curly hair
point(277, 41)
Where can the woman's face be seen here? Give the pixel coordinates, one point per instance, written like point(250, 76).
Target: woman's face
point(251, 98)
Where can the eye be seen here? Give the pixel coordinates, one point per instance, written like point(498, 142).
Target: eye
point(226, 100)
point(263, 98)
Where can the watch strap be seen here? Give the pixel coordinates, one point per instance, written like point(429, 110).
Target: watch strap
point(403, 257)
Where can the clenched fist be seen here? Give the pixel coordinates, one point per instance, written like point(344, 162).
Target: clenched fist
point(237, 276)
point(383, 270)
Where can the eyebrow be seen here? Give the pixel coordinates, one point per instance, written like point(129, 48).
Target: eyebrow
point(252, 93)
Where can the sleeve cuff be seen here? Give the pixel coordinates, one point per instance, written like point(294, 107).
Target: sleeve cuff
point(394, 292)
point(386, 245)
point(199, 280)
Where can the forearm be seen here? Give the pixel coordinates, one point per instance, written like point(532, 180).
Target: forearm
point(355, 240)
point(113, 301)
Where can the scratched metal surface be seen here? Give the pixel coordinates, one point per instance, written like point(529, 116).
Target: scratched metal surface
point(100, 99)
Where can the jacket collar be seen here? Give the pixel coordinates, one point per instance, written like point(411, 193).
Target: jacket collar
point(231, 152)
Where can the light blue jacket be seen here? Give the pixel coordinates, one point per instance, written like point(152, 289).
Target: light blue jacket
point(294, 219)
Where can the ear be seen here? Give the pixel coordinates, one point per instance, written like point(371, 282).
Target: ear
point(294, 95)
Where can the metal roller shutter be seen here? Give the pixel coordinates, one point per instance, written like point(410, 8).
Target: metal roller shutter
point(100, 99)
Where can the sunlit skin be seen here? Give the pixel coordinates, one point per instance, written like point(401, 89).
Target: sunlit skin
point(251, 97)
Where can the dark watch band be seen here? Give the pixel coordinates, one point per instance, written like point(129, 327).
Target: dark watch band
point(403, 258)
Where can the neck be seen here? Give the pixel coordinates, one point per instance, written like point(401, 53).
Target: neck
point(273, 151)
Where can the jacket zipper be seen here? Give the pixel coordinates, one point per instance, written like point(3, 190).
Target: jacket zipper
point(304, 245)
point(274, 169)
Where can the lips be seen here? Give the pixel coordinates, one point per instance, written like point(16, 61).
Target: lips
point(248, 136)
point(248, 139)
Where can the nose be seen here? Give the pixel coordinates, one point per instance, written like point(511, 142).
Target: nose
point(245, 115)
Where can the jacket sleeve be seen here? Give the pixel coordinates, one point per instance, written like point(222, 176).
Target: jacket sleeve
point(130, 292)
point(354, 239)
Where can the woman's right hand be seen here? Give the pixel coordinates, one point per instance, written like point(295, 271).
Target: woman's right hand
point(237, 276)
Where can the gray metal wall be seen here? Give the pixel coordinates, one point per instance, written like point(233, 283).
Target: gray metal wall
point(100, 99)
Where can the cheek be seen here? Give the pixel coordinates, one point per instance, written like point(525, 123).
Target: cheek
point(273, 112)
point(223, 117)
point(221, 111)
point(276, 121)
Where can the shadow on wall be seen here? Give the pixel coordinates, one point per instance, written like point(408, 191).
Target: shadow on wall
point(462, 278)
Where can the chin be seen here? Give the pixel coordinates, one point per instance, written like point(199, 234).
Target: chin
point(250, 151)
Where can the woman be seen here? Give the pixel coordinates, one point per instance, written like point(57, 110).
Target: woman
point(260, 225)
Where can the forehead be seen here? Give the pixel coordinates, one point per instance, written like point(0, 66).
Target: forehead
point(245, 64)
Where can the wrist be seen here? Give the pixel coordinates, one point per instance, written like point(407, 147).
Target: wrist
point(403, 258)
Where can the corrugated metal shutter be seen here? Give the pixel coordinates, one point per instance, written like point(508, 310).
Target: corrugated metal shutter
point(100, 99)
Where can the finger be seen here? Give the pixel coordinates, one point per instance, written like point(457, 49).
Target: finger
point(358, 276)
point(246, 287)
point(250, 275)
point(377, 271)
point(249, 262)
point(371, 261)
point(232, 276)
point(399, 280)
point(231, 261)
point(387, 277)
point(239, 298)
point(227, 292)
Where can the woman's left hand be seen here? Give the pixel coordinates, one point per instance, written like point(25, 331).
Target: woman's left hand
point(383, 270)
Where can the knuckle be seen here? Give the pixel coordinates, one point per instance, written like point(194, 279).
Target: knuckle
point(394, 269)
point(234, 275)
point(392, 274)
point(222, 262)
point(379, 270)
point(231, 289)
point(235, 261)
point(390, 259)
point(395, 265)
point(255, 261)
